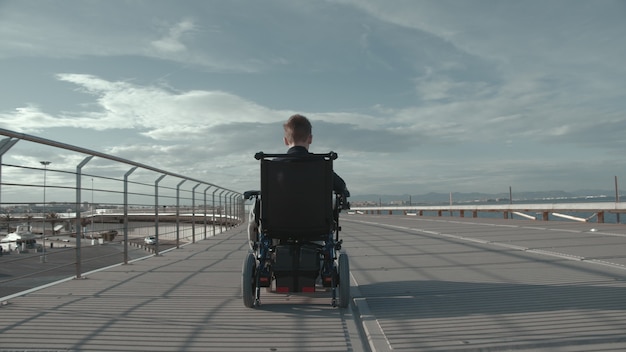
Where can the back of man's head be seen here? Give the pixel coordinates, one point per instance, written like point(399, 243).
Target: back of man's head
point(297, 129)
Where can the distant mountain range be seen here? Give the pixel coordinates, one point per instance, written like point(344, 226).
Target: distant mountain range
point(457, 197)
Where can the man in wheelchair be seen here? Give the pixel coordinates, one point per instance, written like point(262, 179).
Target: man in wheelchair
point(294, 228)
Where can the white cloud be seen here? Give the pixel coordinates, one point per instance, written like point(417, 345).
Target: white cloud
point(172, 41)
point(32, 119)
point(164, 114)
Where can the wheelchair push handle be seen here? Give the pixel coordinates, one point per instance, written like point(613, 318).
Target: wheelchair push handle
point(330, 155)
point(247, 195)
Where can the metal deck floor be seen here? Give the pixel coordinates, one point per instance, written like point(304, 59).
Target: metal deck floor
point(419, 284)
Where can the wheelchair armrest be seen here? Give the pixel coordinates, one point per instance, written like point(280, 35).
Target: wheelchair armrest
point(341, 201)
point(251, 194)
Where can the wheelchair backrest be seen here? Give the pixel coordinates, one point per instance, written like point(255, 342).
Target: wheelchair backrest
point(296, 197)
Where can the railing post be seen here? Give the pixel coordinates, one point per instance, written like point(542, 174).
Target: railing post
point(224, 207)
point(233, 209)
point(193, 213)
point(205, 210)
point(226, 216)
point(225, 210)
point(231, 213)
point(220, 209)
point(126, 213)
point(237, 207)
point(213, 210)
point(156, 214)
point(178, 213)
point(79, 232)
point(242, 210)
point(228, 204)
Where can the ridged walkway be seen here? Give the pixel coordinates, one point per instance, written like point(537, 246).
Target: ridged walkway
point(419, 284)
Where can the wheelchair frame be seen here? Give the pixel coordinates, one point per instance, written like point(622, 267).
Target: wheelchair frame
point(297, 259)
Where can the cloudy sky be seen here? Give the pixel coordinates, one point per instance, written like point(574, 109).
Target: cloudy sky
point(415, 96)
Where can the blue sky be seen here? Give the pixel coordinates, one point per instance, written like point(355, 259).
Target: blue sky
point(415, 96)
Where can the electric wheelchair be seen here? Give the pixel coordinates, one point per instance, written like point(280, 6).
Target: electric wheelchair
point(297, 246)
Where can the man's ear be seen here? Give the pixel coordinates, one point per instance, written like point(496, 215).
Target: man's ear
point(310, 140)
point(285, 141)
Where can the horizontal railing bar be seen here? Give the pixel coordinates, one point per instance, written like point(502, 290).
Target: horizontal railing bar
point(52, 143)
point(606, 206)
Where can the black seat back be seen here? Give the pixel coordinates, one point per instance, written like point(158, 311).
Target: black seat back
point(296, 198)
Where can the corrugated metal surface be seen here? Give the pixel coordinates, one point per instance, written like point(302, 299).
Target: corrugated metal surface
point(424, 284)
point(454, 284)
point(184, 300)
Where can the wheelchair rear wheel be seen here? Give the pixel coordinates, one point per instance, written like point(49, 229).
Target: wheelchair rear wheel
point(344, 280)
point(248, 280)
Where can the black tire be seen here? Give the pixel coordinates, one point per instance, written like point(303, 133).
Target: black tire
point(248, 280)
point(344, 280)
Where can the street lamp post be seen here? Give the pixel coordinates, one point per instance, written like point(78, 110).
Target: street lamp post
point(43, 231)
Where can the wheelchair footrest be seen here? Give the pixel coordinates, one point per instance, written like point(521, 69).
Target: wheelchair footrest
point(265, 281)
point(285, 284)
point(306, 284)
point(288, 284)
point(327, 281)
point(296, 268)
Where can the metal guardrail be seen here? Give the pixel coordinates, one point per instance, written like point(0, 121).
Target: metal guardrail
point(48, 194)
point(596, 209)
